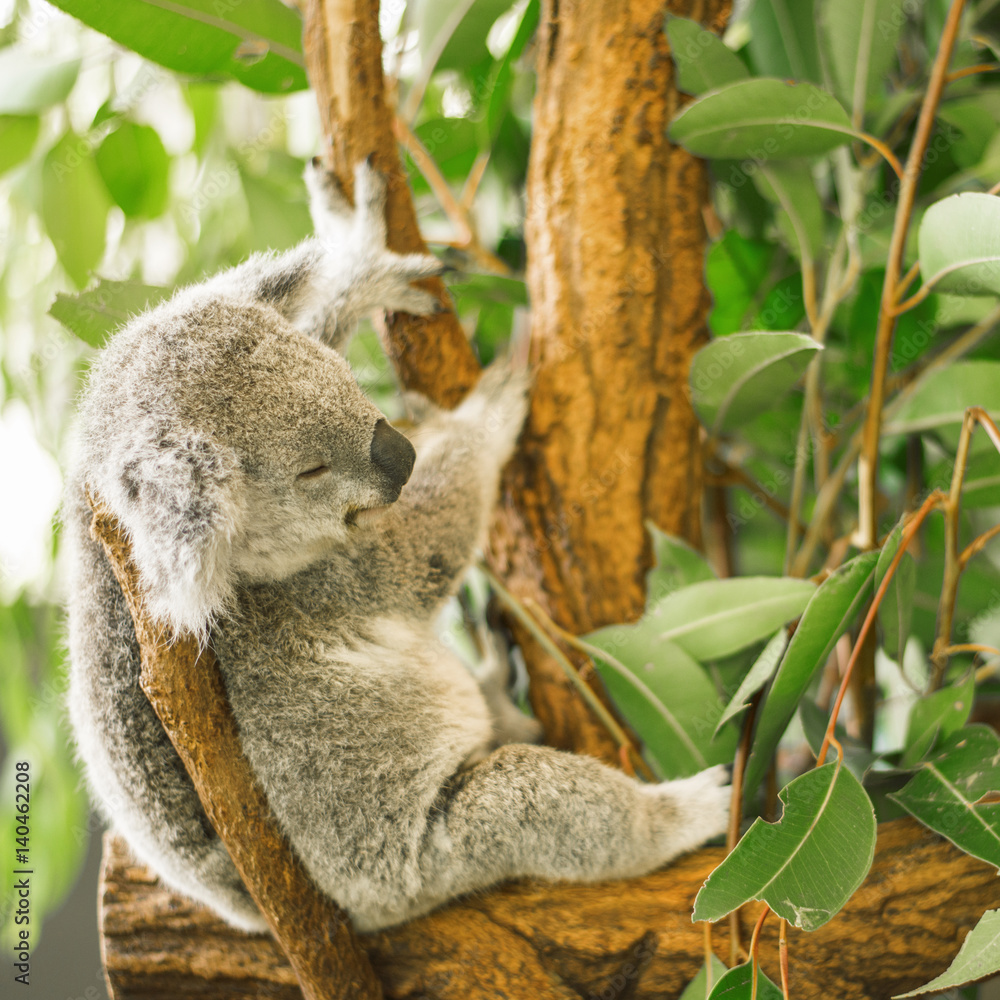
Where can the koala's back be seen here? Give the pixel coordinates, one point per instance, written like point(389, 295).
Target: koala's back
point(131, 765)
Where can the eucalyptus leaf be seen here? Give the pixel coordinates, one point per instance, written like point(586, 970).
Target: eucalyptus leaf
point(31, 83)
point(95, 314)
point(738, 377)
point(943, 397)
point(762, 119)
point(860, 37)
point(959, 244)
point(808, 864)
point(257, 42)
point(936, 716)
point(666, 696)
point(17, 139)
point(783, 39)
point(791, 187)
point(895, 613)
point(703, 60)
point(957, 792)
point(759, 674)
point(719, 617)
point(978, 957)
point(698, 988)
point(735, 270)
point(74, 206)
point(858, 757)
point(737, 984)
point(454, 31)
point(135, 169)
point(675, 565)
point(832, 610)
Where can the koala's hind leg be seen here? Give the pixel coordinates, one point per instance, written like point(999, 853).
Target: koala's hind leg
point(535, 812)
point(327, 283)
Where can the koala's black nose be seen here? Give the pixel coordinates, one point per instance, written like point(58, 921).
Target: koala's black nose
point(392, 453)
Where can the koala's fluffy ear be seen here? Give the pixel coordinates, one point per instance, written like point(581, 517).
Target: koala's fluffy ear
point(180, 502)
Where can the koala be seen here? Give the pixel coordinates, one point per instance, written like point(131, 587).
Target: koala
point(274, 512)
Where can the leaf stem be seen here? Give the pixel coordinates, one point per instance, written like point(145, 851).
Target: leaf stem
point(868, 464)
point(977, 545)
point(954, 562)
point(754, 940)
point(783, 955)
point(933, 500)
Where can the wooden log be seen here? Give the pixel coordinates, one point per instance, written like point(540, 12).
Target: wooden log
point(534, 941)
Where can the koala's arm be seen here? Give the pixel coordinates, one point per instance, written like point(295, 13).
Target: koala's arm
point(327, 283)
point(426, 541)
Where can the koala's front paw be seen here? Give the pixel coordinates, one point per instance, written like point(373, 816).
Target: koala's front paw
point(691, 810)
point(497, 407)
point(357, 234)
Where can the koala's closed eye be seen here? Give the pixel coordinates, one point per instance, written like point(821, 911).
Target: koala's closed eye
point(314, 473)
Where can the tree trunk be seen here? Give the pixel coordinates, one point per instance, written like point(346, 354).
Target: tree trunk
point(616, 247)
point(530, 941)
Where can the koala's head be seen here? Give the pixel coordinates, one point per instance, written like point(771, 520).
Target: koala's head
point(231, 447)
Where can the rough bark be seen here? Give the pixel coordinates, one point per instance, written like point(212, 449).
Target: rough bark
point(531, 941)
point(343, 52)
point(187, 692)
point(616, 246)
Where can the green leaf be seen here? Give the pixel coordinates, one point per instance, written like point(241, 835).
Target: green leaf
point(833, 608)
point(735, 269)
point(737, 984)
point(860, 41)
point(858, 758)
point(762, 120)
point(32, 83)
point(959, 244)
point(457, 29)
point(947, 793)
point(738, 377)
point(135, 166)
point(936, 716)
point(17, 139)
point(258, 42)
point(895, 613)
point(94, 315)
point(718, 617)
point(978, 957)
point(792, 188)
point(942, 397)
point(808, 864)
point(697, 989)
point(665, 695)
point(783, 39)
point(675, 565)
point(758, 675)
point(703, 60)
point(74, 206)
point(981, 483)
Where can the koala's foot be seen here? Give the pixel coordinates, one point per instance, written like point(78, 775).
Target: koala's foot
point(510, 724)
point(379, 278)
point(689, 811)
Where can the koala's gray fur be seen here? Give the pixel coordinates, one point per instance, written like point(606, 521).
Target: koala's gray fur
point(259, 488)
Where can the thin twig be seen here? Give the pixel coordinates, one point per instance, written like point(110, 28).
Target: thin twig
point(977, 545)
point(783, 955)
point(736, 815)
point(754, 941)
point(933, 500)
point(960, 74)
point(953, 562)
point(593, 702)
point(972, 647)
point(868, 464)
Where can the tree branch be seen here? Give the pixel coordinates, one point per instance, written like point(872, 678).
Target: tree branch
point(343, 53)
point(187, 693)
point(531, 941)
